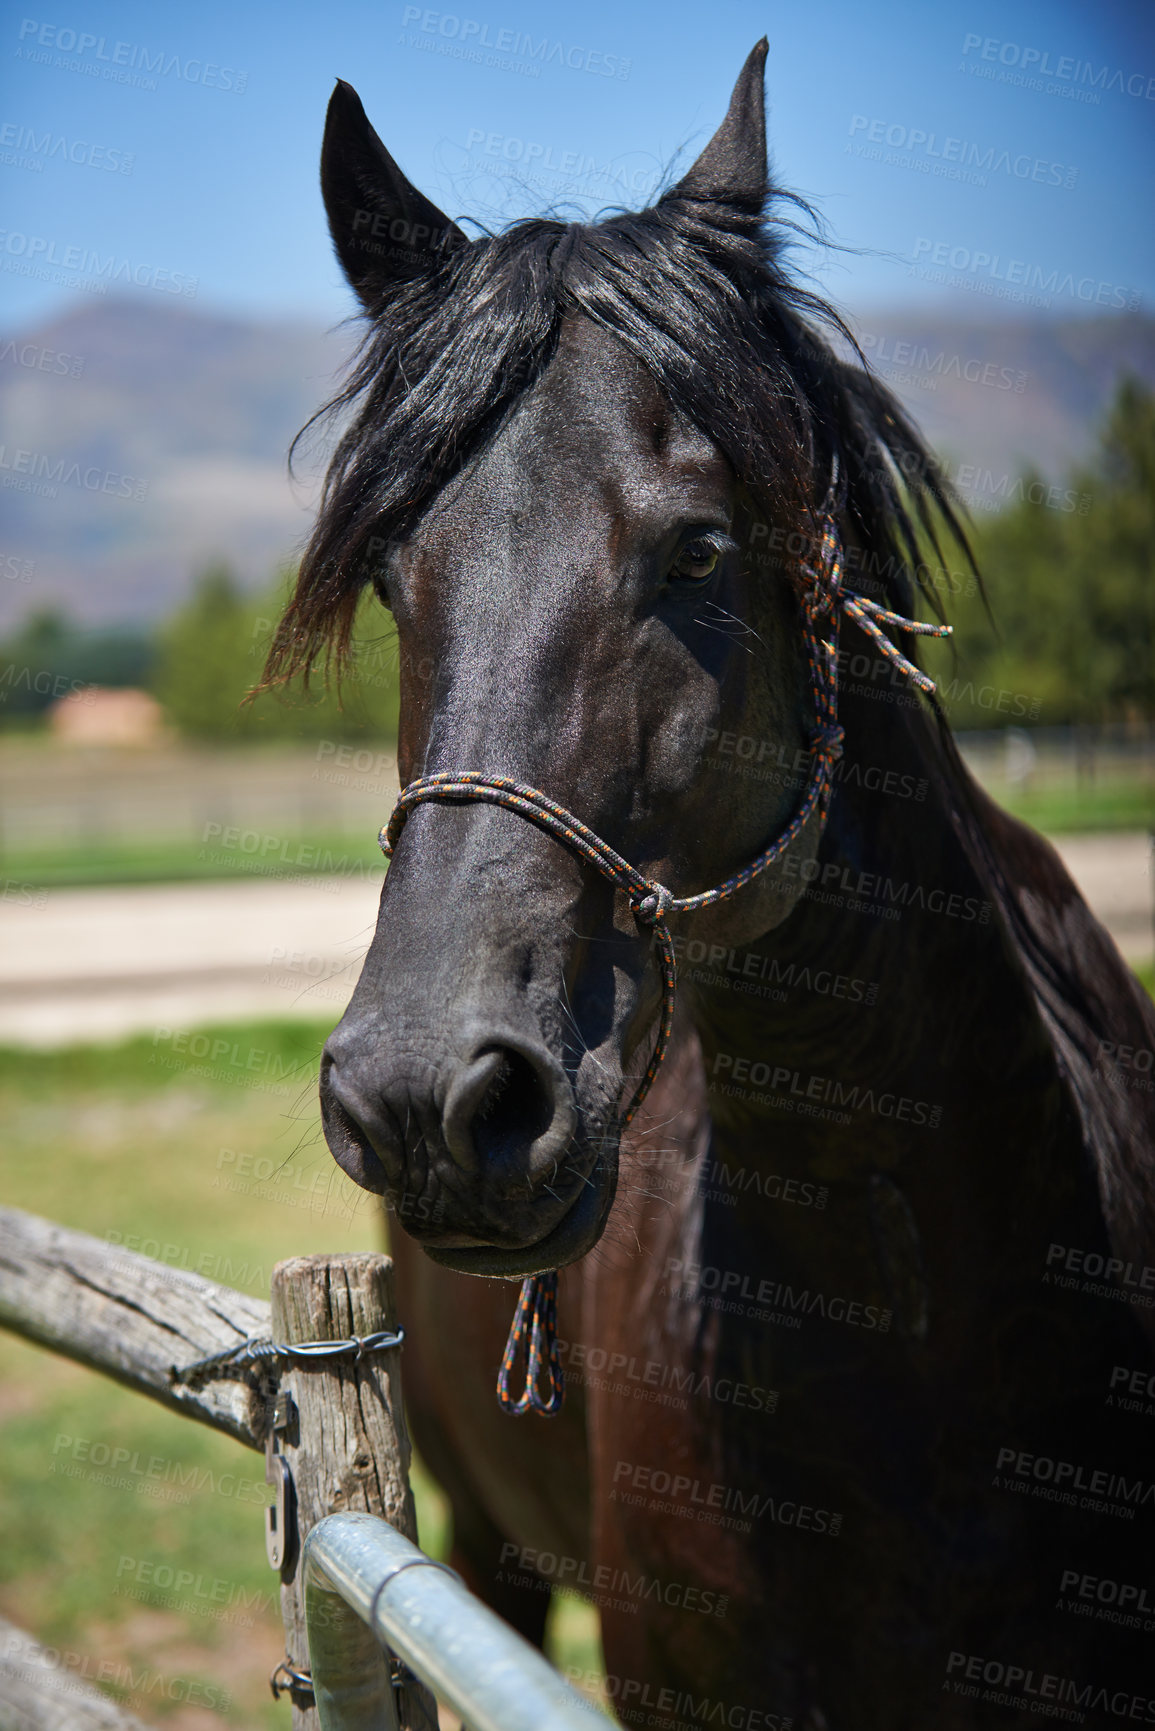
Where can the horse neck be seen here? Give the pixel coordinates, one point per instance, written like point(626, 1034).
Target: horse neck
point(854, 982)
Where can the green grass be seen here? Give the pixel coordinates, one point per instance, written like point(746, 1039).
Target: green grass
point(1111, 805)
point(183, 861)
point(227, 1173)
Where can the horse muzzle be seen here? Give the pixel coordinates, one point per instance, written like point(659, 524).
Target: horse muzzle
point(480, 1151)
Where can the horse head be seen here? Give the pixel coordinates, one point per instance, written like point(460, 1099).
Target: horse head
point(573, 449)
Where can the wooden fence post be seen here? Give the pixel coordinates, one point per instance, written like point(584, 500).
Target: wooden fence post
point(347, 1444)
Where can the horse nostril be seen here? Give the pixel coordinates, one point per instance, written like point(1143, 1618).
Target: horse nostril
point(356, 1152)
point(510, 1112)
point(513, 1110)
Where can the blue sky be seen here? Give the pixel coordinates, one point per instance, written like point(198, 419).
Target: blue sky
point(952, 144)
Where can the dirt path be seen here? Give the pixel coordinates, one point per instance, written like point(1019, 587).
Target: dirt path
point(98, 964)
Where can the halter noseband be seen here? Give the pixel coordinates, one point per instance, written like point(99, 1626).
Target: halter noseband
point(651, 903)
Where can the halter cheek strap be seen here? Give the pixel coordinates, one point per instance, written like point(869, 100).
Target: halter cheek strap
point(534, 1330)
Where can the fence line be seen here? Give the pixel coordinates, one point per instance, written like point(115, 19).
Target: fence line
point(131, 1318)
point(337, 1449)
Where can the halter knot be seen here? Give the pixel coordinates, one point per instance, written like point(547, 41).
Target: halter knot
point(653, 906)
point(828, 742)
point(822, 593)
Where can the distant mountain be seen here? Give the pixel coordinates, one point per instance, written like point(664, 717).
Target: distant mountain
point(997, 397)
point(139, 441)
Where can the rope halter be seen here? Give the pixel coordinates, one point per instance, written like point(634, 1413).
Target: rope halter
point(534, 1332)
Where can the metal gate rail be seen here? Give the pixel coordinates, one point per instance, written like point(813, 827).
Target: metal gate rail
point(368, 1588)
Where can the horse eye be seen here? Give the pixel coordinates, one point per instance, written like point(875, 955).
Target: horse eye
point(697, 561)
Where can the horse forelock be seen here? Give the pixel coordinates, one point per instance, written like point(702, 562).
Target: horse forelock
point(696, 290)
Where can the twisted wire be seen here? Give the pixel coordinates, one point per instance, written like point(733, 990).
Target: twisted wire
point(259, 1347)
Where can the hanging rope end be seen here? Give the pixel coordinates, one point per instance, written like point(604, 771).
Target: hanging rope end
point(534, 1334)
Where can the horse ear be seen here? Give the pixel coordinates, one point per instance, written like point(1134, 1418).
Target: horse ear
point(384, 230)
point(732, 168)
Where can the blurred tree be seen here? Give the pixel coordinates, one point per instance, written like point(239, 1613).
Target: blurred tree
point(212, 653)
point(1070, 575)
point(49, 656)
point(202, 671)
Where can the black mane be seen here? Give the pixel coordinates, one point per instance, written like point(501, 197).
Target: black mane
point(698, 290)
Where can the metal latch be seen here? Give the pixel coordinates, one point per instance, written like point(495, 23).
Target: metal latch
point(281, 1518)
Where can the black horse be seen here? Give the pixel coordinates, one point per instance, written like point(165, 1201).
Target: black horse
point(859, 1399)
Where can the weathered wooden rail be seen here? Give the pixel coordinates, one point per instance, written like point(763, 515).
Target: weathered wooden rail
point(332, 1428)
point(38, 1693)
point(131, 1318)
